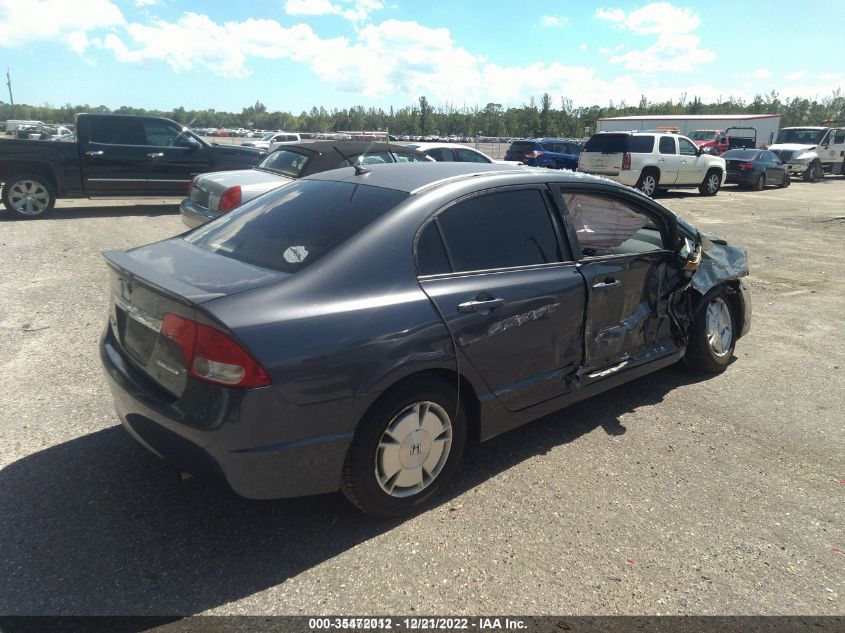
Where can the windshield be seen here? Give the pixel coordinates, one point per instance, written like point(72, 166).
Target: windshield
point(296, 224)
point(800, 135)
point(703, 135)
point(267, 137)
point(285, 161)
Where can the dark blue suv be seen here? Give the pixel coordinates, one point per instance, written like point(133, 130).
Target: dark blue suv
point(555, 153)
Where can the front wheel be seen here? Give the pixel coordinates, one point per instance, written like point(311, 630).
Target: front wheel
point(28, 196)
point(712, 183)
point(712, 338)
point(813, 173)
point(787, 180)
point(406, 448)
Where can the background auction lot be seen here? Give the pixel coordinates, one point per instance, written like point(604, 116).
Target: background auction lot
point(671, 494)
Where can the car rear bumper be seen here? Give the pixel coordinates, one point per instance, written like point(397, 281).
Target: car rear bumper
point(194, 215)
point(733, 178)
point(250, 440)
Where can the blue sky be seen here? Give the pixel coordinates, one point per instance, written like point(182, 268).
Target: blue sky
point(295, 54)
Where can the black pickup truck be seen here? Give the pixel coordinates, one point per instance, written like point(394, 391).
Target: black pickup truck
point(114, 156)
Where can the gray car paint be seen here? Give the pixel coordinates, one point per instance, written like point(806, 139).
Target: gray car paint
point(334, 336)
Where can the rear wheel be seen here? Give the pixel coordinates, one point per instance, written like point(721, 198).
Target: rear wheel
point(648, 182)
point(28, 196)
point(711, 184)
point(406, 448)
point(712, 338)
point(760, 183)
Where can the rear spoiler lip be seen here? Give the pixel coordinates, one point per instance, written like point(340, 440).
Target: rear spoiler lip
point(124, 264)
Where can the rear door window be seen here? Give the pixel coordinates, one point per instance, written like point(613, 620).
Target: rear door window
point(667, 145)
point(296, 225)
point(116, 131)
point(504, 229)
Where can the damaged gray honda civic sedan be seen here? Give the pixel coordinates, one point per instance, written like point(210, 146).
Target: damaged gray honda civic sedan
point(352, 330)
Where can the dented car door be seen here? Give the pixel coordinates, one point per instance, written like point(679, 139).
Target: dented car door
point(625, 262)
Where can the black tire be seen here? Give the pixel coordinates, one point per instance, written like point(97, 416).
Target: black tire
point(701, 355)
point(760, 183)
point(711, 184)
point(365, 480)
point(648, 182)
point(787, 180)
point(813, 172)
point(28, 196)
point(842, 168)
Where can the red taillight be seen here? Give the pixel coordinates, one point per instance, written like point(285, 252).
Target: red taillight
point(746, 165)
point(626, 160)
point(213, 356)
point(230, 199)
point(532, 154)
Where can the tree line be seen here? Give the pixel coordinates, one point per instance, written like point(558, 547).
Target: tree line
point(550, 117)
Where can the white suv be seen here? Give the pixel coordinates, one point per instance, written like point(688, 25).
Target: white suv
point(652, 160)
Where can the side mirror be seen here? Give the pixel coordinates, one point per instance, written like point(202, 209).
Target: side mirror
point(691, 252)
point(191, 143)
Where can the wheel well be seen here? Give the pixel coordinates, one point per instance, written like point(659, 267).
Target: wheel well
point(36, 169)
point(467, 394)
point(730, 291)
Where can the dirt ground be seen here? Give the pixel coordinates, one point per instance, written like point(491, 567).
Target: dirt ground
point(671, 494)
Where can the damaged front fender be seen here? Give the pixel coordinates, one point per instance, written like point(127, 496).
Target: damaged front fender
point(721, 270)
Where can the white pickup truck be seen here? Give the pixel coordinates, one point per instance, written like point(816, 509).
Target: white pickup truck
point(811, 152)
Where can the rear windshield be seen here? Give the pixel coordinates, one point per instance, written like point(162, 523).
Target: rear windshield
point(295, 225)
point(285, 161)
point(620, 143)
point(744, 154)
point(523, 146)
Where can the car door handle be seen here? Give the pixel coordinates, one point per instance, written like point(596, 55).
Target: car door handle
point(661, 160)
point(608, 282)
point(155, 155)
point(481, 306)
point(98, 152)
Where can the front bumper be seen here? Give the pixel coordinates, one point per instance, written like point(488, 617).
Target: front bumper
point(248, 439)
point(745, 298)
point(797, 169)
point(194, 215)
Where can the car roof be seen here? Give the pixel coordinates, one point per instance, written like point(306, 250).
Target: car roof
point(347, 147)
point(415, 177)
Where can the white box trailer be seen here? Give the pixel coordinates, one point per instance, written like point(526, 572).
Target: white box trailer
point(765, 125)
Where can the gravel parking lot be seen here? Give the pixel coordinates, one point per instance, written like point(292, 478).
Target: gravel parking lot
point(670, 495)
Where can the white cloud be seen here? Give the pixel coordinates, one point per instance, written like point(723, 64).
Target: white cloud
point(611, 15)
point(762, 73)
point(799, 74)
point(145, 3)
point(36, 20)
point(583, 47)
point(676, 49)
point(830, 76)
point(353, 10)
point(554, 20)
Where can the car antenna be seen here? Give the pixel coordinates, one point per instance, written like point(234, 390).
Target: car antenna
point(359, 170)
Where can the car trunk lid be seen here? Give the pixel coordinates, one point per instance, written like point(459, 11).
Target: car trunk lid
point(169, 278)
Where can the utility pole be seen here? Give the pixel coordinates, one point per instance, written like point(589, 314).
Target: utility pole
point(11, 98)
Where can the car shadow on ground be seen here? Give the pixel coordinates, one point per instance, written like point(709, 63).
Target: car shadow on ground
point(75, 212)
point(97, 525)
